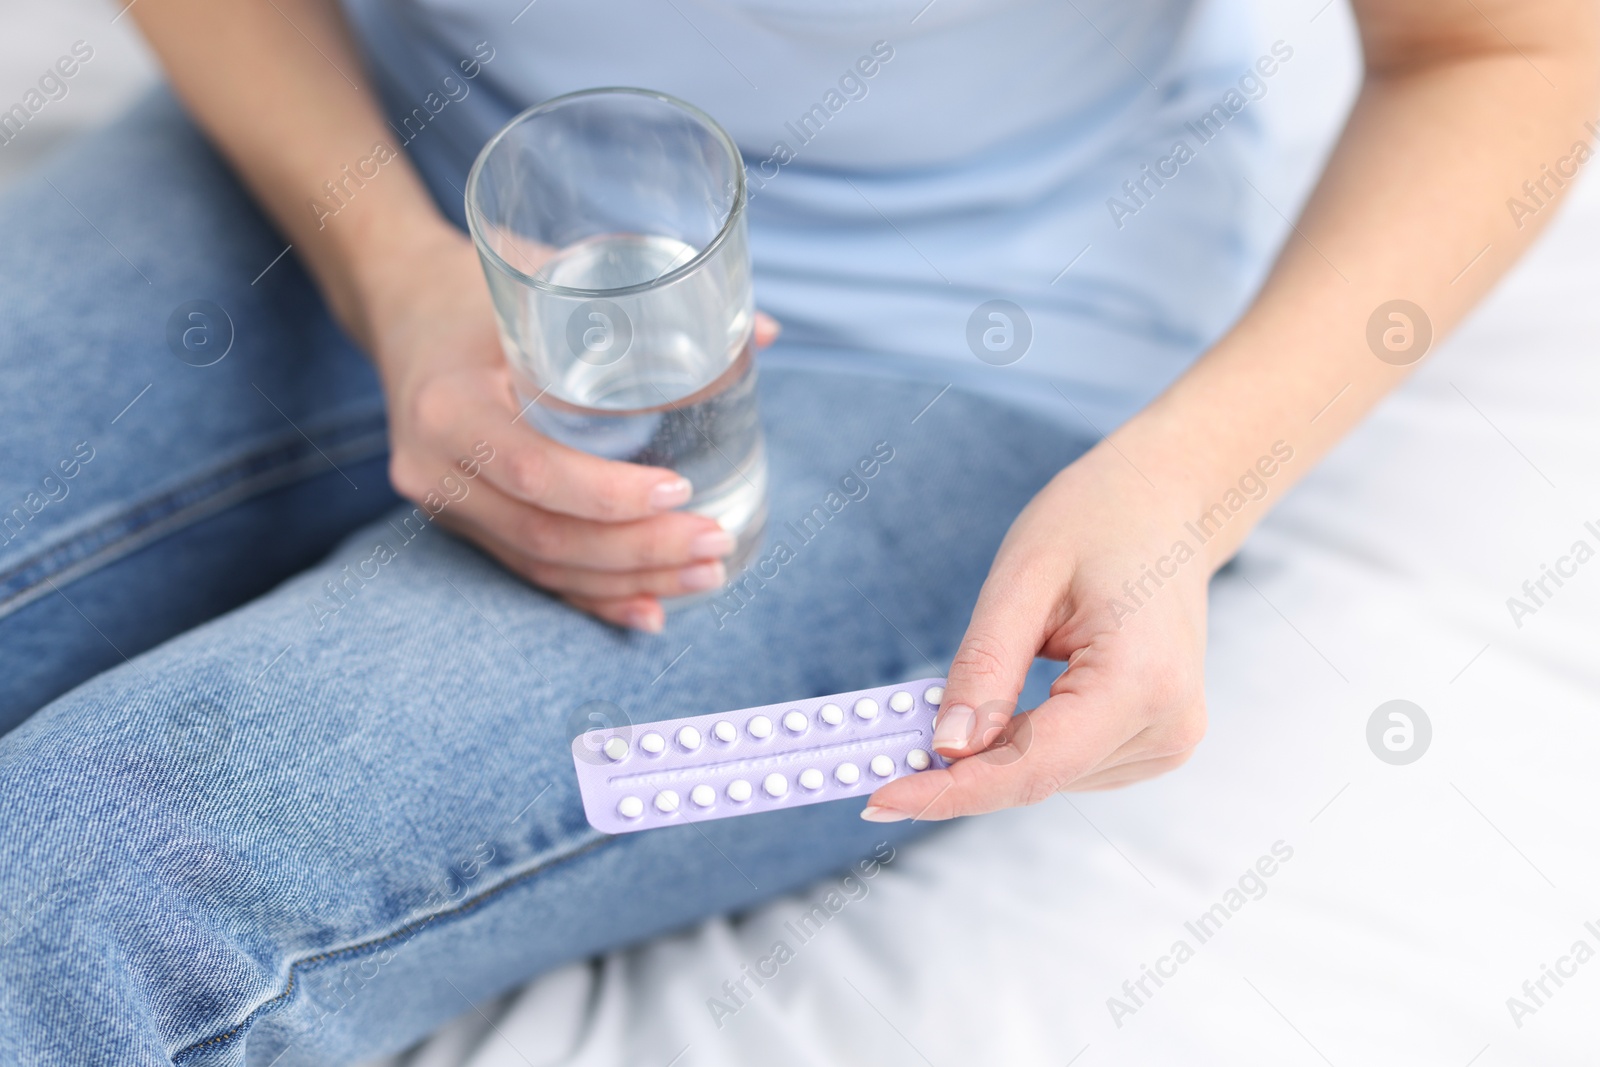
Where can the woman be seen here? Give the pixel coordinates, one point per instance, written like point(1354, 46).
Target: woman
point(312, 828)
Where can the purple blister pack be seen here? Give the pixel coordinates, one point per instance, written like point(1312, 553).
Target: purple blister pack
point(704, 767)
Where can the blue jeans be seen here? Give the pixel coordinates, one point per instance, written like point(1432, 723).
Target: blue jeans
point(270, 794)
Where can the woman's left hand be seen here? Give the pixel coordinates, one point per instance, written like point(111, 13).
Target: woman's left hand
point(1131, 704)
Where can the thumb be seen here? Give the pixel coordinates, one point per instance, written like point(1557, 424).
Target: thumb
point(991, 665)
point(767, 329)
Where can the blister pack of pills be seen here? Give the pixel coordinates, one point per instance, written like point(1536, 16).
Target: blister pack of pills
point(703, 767)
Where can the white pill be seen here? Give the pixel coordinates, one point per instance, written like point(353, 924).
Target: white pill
point(775, 784)
point(739, 790)
point(760, 727)
point(847, 773)
point(866, 708)
point(882, 766)
point(615, 748)
point(933, 694)
point(901, 702)
point(630, 807)
point(653, 743)
point(725, 732)
point(689, 738)
point(703, 796)
point(795, 722)
point(811, 778)
point(917, 759)
point(832, 714)
point(666, 801)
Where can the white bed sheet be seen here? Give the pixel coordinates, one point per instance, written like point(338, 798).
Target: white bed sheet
point(1418, 898)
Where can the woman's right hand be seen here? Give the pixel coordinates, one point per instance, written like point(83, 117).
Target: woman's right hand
point(604, 536)
point(607, 537)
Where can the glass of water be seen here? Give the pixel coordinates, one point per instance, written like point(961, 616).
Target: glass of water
point(611, 226)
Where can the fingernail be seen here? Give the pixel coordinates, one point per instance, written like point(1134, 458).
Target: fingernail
point(703, 576)
point(713, 544)
point(643, 619)
point(873, 813)
point(996, 727)
point(954, 728)
point(670, 494)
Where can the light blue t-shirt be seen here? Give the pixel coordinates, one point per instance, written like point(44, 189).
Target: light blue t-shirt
point(909, 162)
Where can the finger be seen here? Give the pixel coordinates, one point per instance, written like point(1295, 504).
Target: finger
point(677, 538)
point(1174, 734)
point(642, 613)
point(1125, 774)
point(766, 329)
point(455, 412)
point(626, 598)
point(612, 585)
point(540, 471)
point(1037, 754)
point(1007, 627)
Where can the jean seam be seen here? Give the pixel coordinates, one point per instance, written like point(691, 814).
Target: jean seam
point(273, 1003)
point(270, 465)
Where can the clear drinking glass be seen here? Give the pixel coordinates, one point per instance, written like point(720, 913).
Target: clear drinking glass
point(611, 227)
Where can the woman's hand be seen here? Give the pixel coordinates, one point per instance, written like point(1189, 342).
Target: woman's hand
point(605, 536)
point(1297, 367)
point(1131, 704)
